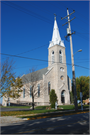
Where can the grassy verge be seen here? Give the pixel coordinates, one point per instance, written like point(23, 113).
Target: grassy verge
point(33, 112)
point(27, 107)
point(13, 113)
point(65, 107)
point(52, 115)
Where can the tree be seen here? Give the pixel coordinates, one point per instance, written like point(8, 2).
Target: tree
point(9, 85)
point(53, 98)
point(82, 85)
point(31, 81)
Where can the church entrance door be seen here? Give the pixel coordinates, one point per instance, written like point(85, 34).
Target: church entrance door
point(63, 96)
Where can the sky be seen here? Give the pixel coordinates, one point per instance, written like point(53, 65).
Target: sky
point(26, 31)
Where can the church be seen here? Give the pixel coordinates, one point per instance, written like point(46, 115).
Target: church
point(52, 77)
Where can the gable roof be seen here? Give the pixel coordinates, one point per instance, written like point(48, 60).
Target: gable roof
point(34, 76)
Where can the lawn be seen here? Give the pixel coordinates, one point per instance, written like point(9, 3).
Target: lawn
point(27, 107)
point(42, 110)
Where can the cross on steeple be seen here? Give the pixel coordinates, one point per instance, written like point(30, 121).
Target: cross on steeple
point(54, 16)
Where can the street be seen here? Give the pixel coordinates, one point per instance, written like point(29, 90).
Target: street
point(72, 124)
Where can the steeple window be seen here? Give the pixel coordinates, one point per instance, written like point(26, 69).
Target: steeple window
point(62, 69)
point(60, 56)
point(53, 58)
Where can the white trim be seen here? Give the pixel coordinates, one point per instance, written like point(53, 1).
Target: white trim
point(49, 71)
point(62, 85)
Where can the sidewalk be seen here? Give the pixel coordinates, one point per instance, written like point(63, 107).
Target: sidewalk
point(13, 119)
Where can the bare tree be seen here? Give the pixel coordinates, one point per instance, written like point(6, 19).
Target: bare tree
point(33, 79)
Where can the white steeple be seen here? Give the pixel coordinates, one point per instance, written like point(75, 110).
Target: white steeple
point(56, 39)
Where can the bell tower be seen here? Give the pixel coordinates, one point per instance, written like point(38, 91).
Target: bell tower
point(57, 61)
point(56, 50)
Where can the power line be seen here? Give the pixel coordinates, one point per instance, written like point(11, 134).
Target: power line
point(76, 11)
point(51, 12)
point(29, 66)
point(28, 13)
point(75, 23)
point(33, 15)
point(40, 60)
point(32, 49)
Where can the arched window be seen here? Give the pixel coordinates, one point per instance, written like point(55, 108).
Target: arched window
point(23, 92)
point(63, 96)
point(62, 69)
point(48, 88)
point(62, 77)
point(38, 90)
point(30, 91)
point(52, 55)
point(60, 56)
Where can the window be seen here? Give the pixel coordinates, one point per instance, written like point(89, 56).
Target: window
point(63, 96)
point(52, 55)
point(60, 56)
point(62, 69)
point(30, 91)
point(38, 90)
point(62, 78)
point(48, 88)
point(23, 92)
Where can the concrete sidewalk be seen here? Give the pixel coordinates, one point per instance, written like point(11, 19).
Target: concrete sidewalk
point(8, 120)
point(13, 119)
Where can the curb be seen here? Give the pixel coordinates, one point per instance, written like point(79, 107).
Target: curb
point(41, 117)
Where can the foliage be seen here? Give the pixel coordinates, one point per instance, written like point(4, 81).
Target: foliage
point(71, 97)
point(53, 105)
point(83, 101)
point(53, 98)
point(9, 85)
point(82, 85)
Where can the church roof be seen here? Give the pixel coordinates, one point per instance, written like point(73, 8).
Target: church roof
point(56, 39)
point(34, 76)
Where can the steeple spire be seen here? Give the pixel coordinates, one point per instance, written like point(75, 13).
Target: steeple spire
point(56, 39)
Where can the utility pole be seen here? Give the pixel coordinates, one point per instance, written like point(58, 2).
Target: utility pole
point(72, 59)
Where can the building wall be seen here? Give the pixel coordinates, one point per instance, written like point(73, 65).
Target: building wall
point(53, 76)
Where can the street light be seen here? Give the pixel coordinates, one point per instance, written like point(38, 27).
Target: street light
point(77, 51)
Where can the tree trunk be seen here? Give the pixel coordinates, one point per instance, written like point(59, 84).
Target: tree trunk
point(32, 102)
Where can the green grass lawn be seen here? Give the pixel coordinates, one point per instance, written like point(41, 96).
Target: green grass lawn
point(43, 110)
point(65, 107)
point(16, 107)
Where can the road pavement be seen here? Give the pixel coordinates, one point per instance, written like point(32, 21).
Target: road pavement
point(72, 124)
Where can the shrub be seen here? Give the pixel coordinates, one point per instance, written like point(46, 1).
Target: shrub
point(53, 98)
point(53, 105)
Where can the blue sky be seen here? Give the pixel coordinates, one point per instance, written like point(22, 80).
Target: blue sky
point(28, 25)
